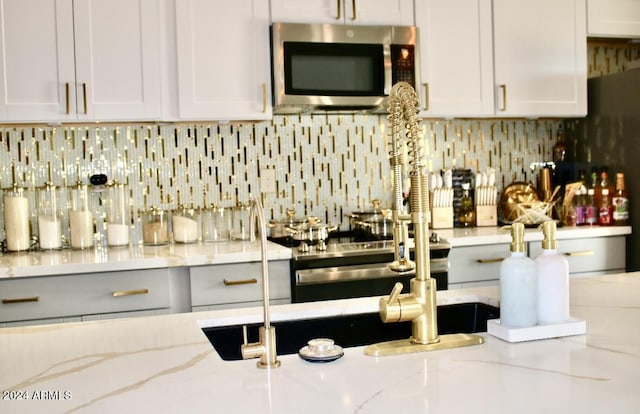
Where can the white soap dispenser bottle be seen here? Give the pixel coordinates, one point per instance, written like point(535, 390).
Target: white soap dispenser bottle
point(518, 284)
point(553, 279)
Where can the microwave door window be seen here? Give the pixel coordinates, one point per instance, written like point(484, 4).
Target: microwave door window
point(334, 69)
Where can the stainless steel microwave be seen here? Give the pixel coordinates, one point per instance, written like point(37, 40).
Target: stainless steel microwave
point(326, 67)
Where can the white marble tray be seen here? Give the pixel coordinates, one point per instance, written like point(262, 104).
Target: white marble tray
point(572, 327)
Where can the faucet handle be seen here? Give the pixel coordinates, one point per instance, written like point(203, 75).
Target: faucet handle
point(395, 292)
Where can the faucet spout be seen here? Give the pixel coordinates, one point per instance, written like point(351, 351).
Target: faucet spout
point(265, 348)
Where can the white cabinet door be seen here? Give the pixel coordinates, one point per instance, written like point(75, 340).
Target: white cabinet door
point(456, 60)
point(540, 55)
point(223, 59)
point(108, 69)
point(370, 12)
point(613, 18)
point(37, 75)
point(117, 59)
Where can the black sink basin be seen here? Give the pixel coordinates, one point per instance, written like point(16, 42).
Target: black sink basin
point(349, 330)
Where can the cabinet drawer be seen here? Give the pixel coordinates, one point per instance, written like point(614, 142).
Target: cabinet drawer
point(83, 294)
point(476, 263)
point(238, 282)
point(596, 254)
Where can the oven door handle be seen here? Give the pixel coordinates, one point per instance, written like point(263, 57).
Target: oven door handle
point(360, 272)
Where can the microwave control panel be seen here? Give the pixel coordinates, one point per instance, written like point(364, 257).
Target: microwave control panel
point(403, 64)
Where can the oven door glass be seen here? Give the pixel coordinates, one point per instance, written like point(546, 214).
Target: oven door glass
point(333, 69)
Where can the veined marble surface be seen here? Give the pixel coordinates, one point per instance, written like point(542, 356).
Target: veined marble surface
point(59, 262)
point(164, 364)
point(68, 261)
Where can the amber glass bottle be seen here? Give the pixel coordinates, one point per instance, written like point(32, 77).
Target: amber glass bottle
point(620, 201)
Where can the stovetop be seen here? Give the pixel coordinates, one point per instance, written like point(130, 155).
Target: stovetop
point(345, 246)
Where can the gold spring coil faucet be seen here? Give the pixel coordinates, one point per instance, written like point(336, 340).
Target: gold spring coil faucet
point(419, 305)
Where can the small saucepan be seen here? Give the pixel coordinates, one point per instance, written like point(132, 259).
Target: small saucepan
point(311, 231)
point(376, 224)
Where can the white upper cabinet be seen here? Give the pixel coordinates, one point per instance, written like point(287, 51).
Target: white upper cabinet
point(540, 57)
point(456, 58)
point(108, 69)
point(365, 12)
point(518, 59)
point(613, 18)
point(223, 60)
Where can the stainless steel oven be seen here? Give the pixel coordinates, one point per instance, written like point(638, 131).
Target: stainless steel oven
point(348, 270)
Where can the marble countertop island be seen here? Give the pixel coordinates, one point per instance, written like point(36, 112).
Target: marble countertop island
point(164, 364)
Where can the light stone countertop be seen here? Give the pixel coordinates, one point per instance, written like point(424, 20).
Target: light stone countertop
point(61, 262)
point(164, 364)
point(68, 261)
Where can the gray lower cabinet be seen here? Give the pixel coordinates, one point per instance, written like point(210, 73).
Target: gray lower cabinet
point(471, 266)
point(590, 256)
point(67, 298)
point(238, 285)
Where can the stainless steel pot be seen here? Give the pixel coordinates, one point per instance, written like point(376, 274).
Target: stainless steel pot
point(280, 229)
point(376, 224)
point(312, 231)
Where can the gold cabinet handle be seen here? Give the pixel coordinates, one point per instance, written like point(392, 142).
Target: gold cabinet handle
point(503, 90)
point(21, 300)
point(84, 96)
point(339, 14)
point(119, 293)
point(426, 96)
point(67, 102)
point(264, 98)
point(251, 281)
point(581, 253)
point(353, 10)
point(492, 260)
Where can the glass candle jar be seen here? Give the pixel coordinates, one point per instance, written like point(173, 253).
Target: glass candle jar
point(242, 228)
point(185, 225)
point(118, 215)
point(16, 219)
point(216, 224)
point(155, 227)
point(50, 217)
point(81, 218)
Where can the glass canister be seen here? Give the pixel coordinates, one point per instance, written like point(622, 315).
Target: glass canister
point(185, 225)
point(16, 219)
point(216, 224)
point(242, 228)
point(50, 217)
point(118, 215)
point(81, 218)
point(155, 227)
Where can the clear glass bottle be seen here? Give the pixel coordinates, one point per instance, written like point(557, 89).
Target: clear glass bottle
point(242, 228)
point(16, 219)
point(118, 215)
point(155, 227)
point(466, 213)
point(185, 223)
point(50, 216)
point(590, 210)
point(81, 220)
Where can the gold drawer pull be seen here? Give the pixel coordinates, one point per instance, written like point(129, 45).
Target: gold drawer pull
point(119, 293)
point(21, 300)
point(251, 281)
point(582, 253)
point(494, 260)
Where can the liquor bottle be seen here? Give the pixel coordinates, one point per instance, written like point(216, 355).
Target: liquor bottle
point(466, 213)
point(605, 210)
point(579, 205)
point(620, 201)
point(595, 186)
point(590, 211)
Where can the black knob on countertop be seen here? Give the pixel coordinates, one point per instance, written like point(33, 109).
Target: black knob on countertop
point(98, 179)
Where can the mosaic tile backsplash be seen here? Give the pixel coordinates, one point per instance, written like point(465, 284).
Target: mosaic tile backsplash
point(324, 165)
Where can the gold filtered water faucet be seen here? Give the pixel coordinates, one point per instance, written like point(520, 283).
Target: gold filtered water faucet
point(265, 348)
point(419, 305)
